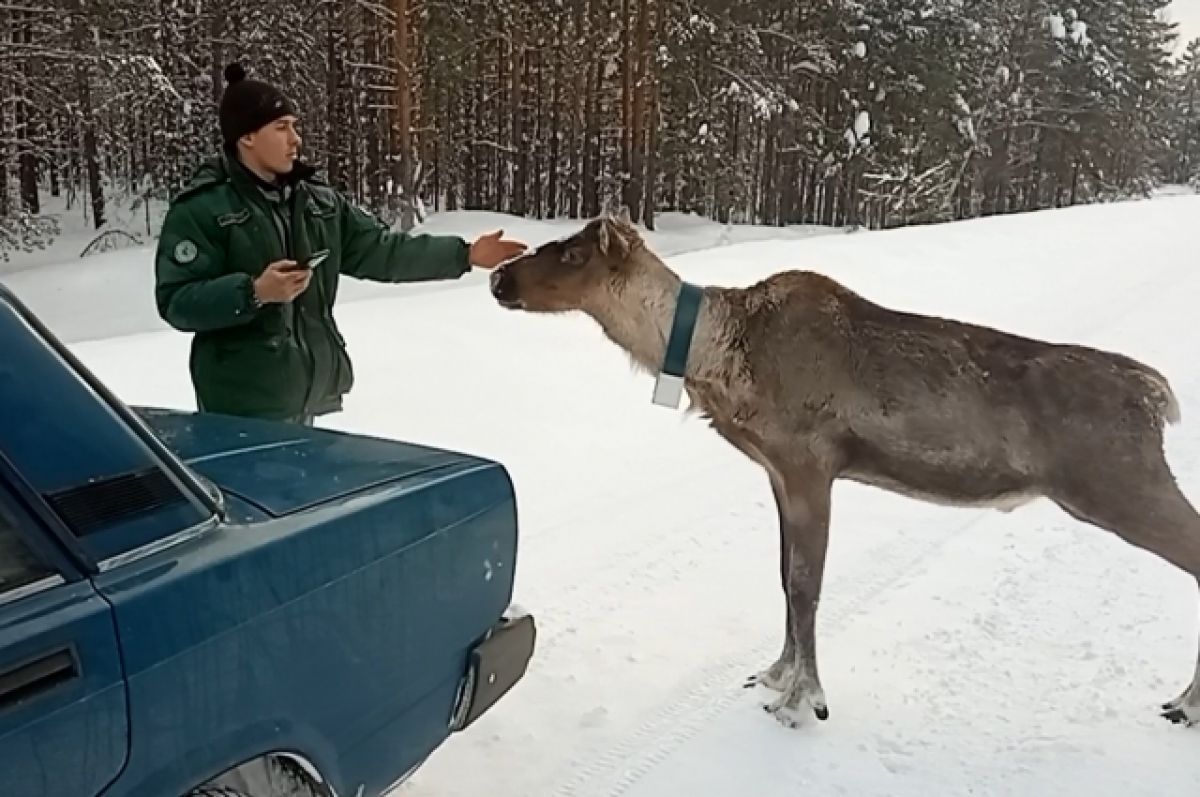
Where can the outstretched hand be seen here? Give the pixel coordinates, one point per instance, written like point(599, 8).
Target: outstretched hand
point(491, 250)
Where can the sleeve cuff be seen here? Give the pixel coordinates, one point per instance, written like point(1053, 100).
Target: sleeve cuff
point(249, 301)
point(465, 253)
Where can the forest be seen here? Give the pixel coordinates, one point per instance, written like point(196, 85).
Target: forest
point(873, 113)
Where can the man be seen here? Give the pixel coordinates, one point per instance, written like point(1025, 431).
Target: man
point(233, 265)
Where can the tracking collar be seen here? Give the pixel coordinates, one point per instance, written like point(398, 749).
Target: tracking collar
point(668, 385)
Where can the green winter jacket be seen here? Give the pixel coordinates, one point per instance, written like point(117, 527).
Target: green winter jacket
point(278, 361)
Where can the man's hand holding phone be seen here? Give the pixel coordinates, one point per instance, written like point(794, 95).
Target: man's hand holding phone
point(282, 281)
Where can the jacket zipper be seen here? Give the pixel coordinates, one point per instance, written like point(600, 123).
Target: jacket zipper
point(297, 305)
point(335, 344)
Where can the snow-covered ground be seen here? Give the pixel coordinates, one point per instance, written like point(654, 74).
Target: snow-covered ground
point(963, 652)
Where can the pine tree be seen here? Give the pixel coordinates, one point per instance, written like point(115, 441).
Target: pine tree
point(1182, 163)
point(848, 112)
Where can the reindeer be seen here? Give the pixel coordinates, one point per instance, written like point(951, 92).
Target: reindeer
point(815, 383)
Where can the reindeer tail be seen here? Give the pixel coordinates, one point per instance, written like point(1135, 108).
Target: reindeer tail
point(1160, 393)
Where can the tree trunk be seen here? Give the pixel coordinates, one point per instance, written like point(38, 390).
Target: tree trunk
point(591, 158)
point(518, 66)
point(333, 120)
point(654, 88)
point(87, 119)
point(22, 28)
point(402, 121)
point(552, 190)
point(641, 81)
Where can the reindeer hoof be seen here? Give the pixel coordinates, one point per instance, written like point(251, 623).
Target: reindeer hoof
point(787, 717)
point(776, 677)
point(766, 679)
point(790, 711)
point(1180, 716)
point(1185, 709)
point(794, 717)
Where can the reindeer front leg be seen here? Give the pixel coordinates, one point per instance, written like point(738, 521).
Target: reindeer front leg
point(805, 510)
point(778, 675)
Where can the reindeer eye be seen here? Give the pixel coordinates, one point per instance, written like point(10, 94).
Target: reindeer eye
point(573, 257)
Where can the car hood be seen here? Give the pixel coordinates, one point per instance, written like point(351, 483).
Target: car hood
point(284, 468)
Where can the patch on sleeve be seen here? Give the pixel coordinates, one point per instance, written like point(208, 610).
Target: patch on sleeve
point(185, 252)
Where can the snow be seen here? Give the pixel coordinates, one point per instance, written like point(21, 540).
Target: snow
point(962, 651)
point(1058, 28)
point(1079, 33)
point(862, 126)
point(966, 125)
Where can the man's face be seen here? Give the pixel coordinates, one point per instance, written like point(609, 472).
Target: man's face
point(276, 145)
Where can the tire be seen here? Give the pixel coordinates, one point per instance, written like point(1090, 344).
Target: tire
point(272, 776)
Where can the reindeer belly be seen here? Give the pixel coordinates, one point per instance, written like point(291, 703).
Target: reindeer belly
point(947, 454)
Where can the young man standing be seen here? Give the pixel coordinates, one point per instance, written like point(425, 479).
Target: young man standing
point(249, 256)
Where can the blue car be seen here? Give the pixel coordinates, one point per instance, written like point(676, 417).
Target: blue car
point(205, 605)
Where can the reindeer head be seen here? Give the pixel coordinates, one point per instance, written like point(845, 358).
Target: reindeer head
point(561, 275)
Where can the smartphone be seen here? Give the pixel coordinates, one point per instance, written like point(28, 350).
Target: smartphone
point(316, 259)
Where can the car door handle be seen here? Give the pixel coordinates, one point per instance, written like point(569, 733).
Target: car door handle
point(23, 682)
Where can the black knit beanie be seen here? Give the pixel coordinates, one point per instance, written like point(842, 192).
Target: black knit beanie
point(248, 104)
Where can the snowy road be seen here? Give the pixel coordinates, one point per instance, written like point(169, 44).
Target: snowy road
point(963, 652)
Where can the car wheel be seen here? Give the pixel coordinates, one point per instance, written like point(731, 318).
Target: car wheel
point(273, 776)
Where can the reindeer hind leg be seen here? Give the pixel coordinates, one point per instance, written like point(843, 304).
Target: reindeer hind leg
point(1146, 509)
point(1185, 709)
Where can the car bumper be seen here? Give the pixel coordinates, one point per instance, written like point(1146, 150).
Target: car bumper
point(495, 665)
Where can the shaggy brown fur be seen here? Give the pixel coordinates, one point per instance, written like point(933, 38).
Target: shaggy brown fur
point(816, 383)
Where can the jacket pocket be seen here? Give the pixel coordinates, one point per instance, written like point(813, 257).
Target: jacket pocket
point(263, 377)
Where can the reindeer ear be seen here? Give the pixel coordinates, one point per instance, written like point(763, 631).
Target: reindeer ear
point(602, 237)
point(617, 238)
point(623, 215)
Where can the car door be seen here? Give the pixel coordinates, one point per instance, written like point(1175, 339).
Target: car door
point(63, 723)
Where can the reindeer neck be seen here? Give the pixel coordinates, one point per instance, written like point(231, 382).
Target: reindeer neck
point(639, 314)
